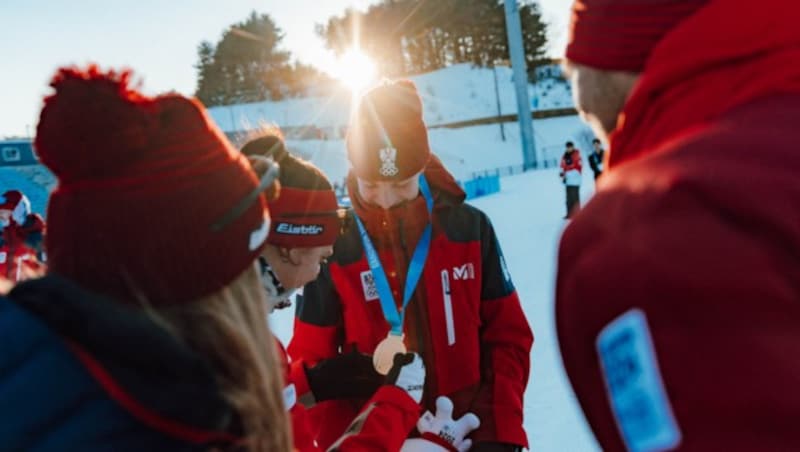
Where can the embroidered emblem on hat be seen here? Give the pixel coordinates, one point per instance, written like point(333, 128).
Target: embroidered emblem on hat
point(389, 162)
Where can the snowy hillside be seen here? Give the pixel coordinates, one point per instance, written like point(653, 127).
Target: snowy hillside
point(468, 150)
point(456, 93)
point(529, 233)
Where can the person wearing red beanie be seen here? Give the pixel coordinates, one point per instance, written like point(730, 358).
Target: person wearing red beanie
point(307, 205)
point(148, 331)
point(416, 269)
point(677, 286)
point(22, 253)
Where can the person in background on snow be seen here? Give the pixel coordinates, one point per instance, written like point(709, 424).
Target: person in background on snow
point(417, 269)
point(571, 176)
point(144, 335)
point(21, 238)
point(596, 158)
point(682, 329)
point(306, 221)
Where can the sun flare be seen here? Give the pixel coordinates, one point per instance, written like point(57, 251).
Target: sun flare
point(355, 70)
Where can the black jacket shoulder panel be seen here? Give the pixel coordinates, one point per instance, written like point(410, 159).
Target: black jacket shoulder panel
point(348, 248)
point(461, 222)
point(319, 304)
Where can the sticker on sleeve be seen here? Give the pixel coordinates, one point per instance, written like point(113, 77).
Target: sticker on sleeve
point(368, 284)
point(634, 385)
point(3, 257)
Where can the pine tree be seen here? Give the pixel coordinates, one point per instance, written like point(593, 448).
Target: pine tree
point(410, 36)
point(247, 65)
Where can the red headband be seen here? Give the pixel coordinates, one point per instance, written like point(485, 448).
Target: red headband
point(304, 218)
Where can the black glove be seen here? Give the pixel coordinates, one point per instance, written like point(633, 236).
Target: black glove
point(348, 376)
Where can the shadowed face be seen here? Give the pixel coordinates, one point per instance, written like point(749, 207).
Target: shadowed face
point(600, 95)
point(387, 194)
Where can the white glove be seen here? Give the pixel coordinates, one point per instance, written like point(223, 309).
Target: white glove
point(444, 428)
point(408, 373)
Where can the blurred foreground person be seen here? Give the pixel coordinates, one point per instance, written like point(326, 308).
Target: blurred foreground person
point(148, 332)
point(678, 284)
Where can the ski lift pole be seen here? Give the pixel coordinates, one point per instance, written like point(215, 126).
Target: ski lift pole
point(516, 49)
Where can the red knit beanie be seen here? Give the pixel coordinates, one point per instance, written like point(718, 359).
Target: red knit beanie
point(153, 205)
point(305, 212)
point(620, 34)
point(387, 139)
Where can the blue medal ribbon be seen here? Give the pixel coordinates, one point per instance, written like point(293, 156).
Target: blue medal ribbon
point(394, 316)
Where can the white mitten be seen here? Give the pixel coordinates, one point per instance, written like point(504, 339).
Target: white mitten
point(408, 373)
point(441, 433)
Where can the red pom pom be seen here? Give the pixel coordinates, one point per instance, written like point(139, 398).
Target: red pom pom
point(94, 125)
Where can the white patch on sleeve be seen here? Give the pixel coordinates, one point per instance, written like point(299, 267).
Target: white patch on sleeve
point(3, 257)
point(634, 385)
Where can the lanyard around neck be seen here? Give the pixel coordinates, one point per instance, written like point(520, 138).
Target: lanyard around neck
point(394, 316)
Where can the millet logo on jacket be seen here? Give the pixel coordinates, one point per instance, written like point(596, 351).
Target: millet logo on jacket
point(299, 229)
point(464, 272)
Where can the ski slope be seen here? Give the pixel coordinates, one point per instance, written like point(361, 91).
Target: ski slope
point(527, 215)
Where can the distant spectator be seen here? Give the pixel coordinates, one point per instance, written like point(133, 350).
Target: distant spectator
point(571, 175)
point(21, 238)
point(596, 158)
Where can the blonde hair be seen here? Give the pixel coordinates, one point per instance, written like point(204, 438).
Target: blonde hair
point(230, 329)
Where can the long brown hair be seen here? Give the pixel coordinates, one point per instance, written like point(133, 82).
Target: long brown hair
point(230, 329)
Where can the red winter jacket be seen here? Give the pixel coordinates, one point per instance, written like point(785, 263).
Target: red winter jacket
point(478, 356)
point(574, 162)
point(21, 252)
point(697, 227)
point(382, 425)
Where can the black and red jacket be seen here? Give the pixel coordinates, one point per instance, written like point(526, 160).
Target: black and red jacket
point(464, 318)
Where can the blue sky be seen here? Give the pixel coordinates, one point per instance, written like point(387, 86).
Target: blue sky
point(158, 39)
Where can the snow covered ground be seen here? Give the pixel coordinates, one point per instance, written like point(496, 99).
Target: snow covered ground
point(527, 215)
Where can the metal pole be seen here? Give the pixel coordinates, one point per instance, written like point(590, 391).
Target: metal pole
point(516, 49)
point(497, 98)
